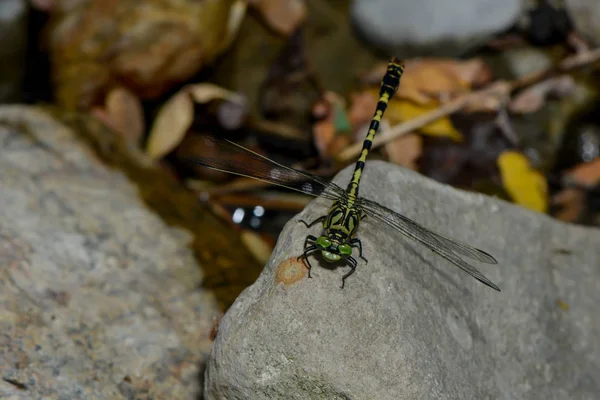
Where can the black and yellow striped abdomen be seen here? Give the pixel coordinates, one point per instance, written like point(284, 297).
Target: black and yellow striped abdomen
point(389, 86)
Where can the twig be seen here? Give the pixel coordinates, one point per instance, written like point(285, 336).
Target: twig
point(498, 89)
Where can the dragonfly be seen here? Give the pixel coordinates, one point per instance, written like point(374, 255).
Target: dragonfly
point(341, 223)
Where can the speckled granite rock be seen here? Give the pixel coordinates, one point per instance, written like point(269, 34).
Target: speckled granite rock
point(99, 298)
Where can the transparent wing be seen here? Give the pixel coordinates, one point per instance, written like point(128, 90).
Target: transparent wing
point(241, 161)
point(448, 248)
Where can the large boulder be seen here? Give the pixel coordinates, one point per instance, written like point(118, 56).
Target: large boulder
point(409, 325)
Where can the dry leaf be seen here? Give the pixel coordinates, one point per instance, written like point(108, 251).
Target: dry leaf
point(405, 150)
point(362, 107)
point(231, 113)
point(404, 110)
point(426, 80)
point(283, 16)
point(260, 249)
point(237, 12)
point(323, 136)
point(525, 185)
point(332, 120)
point(533, 98)
point(587, 174)
point(205, 92)
point(571, 202)
point(171, 125)
point(125, 113)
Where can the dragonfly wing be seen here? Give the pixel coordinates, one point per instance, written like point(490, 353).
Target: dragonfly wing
point(238, 160)
point(448, 248)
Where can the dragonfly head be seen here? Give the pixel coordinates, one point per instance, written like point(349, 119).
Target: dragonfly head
point(332, 250)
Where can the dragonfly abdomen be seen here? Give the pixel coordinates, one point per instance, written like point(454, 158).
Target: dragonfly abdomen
point(389, 86)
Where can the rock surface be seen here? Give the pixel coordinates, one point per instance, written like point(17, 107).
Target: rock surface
point(99, 297)
point(586, 18)
point(409, 325)
point(432, 27)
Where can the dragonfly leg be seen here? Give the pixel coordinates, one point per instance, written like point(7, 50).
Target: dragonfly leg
point(357, 243)
point(308, 225)
point(352, 263)
point(308, 249)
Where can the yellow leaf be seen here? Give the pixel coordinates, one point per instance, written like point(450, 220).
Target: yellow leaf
point(400, 111)
point(171, 125)
point(525, 185)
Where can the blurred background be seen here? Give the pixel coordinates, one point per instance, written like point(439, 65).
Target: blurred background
point(498, 97)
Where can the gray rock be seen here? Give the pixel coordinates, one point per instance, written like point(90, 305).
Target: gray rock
point(586, 17)
point(409, 325)
point(409, 28)
point(99, 297)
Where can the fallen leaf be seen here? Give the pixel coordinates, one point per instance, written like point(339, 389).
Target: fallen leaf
point(124, 109)
point(171, 125)
point(587, 174)
point(205, 92)
point(572, 200)
point(237, 12)
point(405, 110)
point(534, 97)
point(525, 185)
point(426, 80)
point(260, 249)
point(362, 107)
point(283, 16)
point(333, 120)
point(571, 203)
point(405, 150)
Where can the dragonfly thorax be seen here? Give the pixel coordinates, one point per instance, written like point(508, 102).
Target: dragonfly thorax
point(342, 221)
point(332, 249)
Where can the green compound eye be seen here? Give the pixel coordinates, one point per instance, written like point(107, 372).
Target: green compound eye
point(345, 249)
point(323, 242)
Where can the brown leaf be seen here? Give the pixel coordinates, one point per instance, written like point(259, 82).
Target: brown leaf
point(587, 174)
point(171, 125)
point(571, 202)
point(405, 150)
point(534, 97)
point(325, 132)
point(125, 113)
point(425, 80)
point(362, 107)
point(283, 16)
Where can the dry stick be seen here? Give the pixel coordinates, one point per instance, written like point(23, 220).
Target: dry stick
point(498, 89)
